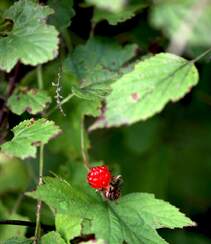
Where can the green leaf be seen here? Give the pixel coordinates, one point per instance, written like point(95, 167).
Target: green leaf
point(9, 231)
point(111, 5)
point(28, 135)
point(145, 91)
point(17, 240)
point(115, 18)
point(134, 218)
point(31, 40)
point(68, 226)
point(99, 60)
point(63, 13)
point(9, 169)
point(92, 92)
point(52, 237)
point(176, 16)
point(99, 241)
point(32, 101)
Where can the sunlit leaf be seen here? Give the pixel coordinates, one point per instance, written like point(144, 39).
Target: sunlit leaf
point(28, 135)
point(31, 40)
point(112, 5)
point(145, 91)
point(32, 101)
point(52, 237)
point(121, 16)
point(134, 218)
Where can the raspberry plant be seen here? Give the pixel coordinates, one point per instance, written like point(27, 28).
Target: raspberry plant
point(69, 68)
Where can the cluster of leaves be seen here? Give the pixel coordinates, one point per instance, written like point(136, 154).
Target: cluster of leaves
point(105, 79)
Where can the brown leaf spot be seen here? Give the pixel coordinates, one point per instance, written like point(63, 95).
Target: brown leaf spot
point(135, 96)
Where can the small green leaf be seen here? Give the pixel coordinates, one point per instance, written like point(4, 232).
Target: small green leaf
point(68, 226)
point(145, 91)
point(115, 18)
point(32, 101)
point(28, 135)
point(111, 5)
point(31, 40)
point(52, 237)
point(63, 13)
point(93, 92)
point(134, 218)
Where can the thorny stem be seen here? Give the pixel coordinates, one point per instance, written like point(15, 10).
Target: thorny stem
point(83, 149)
point(41, 165)
point(66, 99)
point(39, 203)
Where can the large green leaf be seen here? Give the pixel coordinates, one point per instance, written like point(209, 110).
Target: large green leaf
point(134, 218)
point(31, 40)
point(145, 91)
point(28, 135)
point(190, 17)
point(63, 13)
point(32, 101)
point(99, 60)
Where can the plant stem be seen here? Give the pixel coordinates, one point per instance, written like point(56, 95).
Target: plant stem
point(83, 149)
point(66, 99)
point(201, 55)
point(39, 77)
point(67, 39)
point(39, 203)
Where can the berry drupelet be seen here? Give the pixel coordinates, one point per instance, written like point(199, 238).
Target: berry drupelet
point(99, 177)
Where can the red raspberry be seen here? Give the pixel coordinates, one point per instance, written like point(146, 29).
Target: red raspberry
point(99, 177)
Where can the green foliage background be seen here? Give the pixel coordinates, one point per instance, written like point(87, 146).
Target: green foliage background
point(91, 47)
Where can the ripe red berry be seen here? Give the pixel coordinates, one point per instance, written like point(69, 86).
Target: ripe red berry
point(99, 177)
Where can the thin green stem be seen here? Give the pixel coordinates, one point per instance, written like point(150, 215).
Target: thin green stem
point(83, 148)
point(39, 203)
point(66, 99)
point(67, 39)
point(39, 77)
point(17, 203)
point(201, 55)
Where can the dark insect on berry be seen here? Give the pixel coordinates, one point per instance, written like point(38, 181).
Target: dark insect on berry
point(113, 192)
